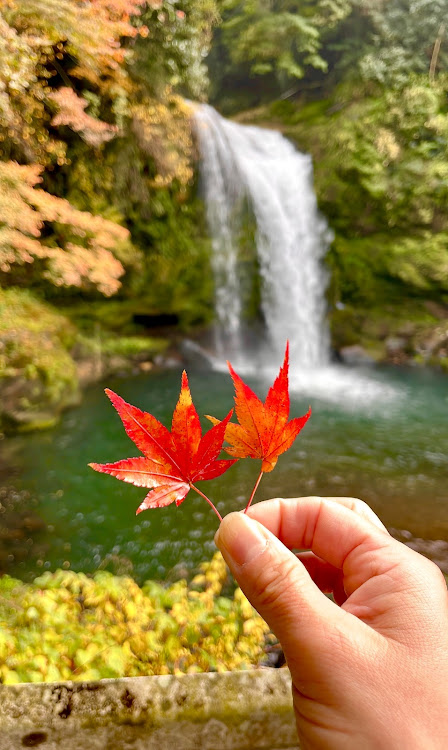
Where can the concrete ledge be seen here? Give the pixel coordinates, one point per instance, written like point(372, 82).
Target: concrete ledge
point(235, 710)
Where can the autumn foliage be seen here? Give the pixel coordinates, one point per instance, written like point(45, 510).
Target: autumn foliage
point(62, 73)
point(174, 461)
point(79, 252)
point(48, 45)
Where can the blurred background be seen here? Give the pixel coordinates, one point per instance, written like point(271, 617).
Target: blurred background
point(188, 181)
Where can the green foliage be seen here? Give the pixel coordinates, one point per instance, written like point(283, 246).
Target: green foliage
point(173, 50)
point(421, 262)
point(66, 626)
point(379, 161)
point(282, 42)
point(404, 33)
point(262, 49)
point(308, 47)
point(171, 231)
point(382, 267)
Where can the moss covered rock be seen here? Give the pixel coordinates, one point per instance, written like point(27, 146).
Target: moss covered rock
point(37, 374)
point(45, 358)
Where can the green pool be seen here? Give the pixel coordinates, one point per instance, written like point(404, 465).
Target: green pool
point(390, 448)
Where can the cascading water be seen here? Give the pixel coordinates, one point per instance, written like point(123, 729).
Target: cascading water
point(262, 168)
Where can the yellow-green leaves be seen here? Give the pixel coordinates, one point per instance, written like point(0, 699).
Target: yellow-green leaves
point(67, 626)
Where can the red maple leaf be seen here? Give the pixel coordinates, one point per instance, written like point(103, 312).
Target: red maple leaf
point(172, 461)
point(263, 430)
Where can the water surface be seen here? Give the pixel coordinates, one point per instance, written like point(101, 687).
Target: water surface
point(391, 451)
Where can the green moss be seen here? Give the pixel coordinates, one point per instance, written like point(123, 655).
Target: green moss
point(35, 423)
point(37, 373)
point(114, 315)
point(124, 346)
point(21, 309)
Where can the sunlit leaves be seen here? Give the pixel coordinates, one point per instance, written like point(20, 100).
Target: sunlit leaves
point(71, 112)
point(86, 259)
point(163, 131)
point(47, 45)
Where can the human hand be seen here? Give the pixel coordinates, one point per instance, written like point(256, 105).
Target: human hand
point(371, 673)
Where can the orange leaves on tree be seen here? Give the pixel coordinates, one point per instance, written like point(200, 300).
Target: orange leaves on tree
point(71, 113)
point(263, 430)
point(87, 263)
point(172, 461)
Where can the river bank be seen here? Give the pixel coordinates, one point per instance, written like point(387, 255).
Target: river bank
point(47, 359)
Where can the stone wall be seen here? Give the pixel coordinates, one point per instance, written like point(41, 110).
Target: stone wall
point(235, 710)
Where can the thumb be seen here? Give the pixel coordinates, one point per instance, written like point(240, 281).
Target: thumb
point(278, 586)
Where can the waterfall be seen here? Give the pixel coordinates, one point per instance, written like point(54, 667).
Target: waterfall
point(249, 166)
point(262, 167)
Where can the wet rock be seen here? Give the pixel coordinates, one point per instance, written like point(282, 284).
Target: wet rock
point(25, 405)
point(146, 366)
point(89, 371)
point(439, 311)
point(407, 330)
point(171, 361)
point(355, 355)
point(434, 549)
point(395, 345)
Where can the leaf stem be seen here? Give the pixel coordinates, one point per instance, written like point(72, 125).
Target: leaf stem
point(208, 500)
point(254, 491)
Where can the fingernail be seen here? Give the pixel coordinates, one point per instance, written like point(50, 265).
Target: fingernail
point(240, 538)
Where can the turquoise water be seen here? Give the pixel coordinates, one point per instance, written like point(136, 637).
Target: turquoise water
point(392, 453)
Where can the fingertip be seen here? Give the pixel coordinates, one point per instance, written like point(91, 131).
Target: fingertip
point(240, 538)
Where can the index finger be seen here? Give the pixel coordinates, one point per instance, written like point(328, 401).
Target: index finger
point(353, 503)
point(331, 529)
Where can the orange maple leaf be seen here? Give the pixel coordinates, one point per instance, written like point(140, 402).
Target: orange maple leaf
point(263, 430)
point(172, 461)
